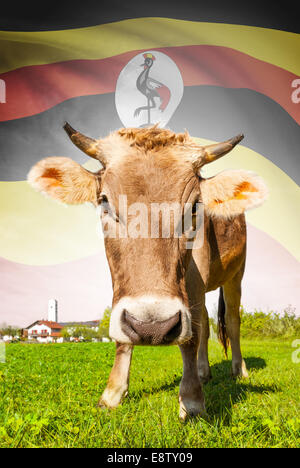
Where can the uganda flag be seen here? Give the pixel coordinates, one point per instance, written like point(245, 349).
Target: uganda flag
point(215, 68)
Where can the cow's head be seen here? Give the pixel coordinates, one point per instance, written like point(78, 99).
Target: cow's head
point(148, 166)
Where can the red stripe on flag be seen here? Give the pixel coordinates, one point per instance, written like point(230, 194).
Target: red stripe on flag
point(34, 89)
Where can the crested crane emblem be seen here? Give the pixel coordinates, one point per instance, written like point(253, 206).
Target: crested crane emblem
point(151, 95)
point(152, 89)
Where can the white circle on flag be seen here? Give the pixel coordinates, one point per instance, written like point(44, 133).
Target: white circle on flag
point(163, 83)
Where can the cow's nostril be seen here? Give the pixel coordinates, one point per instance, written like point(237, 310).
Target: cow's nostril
point(175, 331)
point(127, 326)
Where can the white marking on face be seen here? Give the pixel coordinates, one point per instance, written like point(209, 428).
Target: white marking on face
point(150, 308)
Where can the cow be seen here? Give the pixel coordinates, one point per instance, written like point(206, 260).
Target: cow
point(159, 282)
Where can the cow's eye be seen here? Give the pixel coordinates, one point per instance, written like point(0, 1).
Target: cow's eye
point(103, 198)
point(194, 208)
point(105, 209)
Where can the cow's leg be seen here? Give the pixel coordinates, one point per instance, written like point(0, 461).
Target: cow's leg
point(203, 364)
point(191, 398)
point(232, 298)
point(118, 381)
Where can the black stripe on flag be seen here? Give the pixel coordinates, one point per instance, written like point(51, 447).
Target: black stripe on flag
point(38, 16)
point(205, 111)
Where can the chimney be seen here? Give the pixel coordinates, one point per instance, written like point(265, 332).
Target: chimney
point(52, 310)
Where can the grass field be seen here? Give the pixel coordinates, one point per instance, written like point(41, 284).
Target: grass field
point(48, 397)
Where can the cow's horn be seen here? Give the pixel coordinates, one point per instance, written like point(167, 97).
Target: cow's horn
point(213, 152)
point(86, 144)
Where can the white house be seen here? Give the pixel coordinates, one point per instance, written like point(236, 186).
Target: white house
point(44, 331)
point(8, 338)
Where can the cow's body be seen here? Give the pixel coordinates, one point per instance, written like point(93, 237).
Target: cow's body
point(159, 283)
point(222, 255)
point(218, 264)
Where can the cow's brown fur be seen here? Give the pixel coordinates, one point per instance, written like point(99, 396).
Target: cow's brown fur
point(153, 165)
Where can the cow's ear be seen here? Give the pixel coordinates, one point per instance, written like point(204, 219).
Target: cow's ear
point(230, 193)
point(64, 180)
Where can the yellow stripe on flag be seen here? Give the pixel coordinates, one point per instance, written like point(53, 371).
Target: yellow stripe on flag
point(21, 49)
point(38, 231)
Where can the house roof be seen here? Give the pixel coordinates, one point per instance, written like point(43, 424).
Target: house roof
point(51, 325)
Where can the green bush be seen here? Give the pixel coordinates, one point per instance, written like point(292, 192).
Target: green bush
point(271, 324)
point(266, 324)
point(103, 330)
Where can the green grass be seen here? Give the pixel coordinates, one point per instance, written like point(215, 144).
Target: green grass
point(48, 397)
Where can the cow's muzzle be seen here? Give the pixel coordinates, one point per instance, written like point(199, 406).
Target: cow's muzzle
point(150, 320)
point(151, 332)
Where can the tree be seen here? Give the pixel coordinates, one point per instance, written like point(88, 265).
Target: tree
point(77, 332)
point(65, 334)
point(88, 334)
point(84, 333)
point(10, 331)
point(103, 330)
